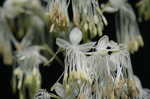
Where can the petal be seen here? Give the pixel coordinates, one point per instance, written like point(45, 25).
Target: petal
point(87, 46)
point(59, 89)
point(62, 43)
point(102, 43)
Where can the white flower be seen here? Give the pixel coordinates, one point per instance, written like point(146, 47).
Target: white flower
point(75, 38)
point(27, 70)
point(88, 16)
point(75, 60)
point(127, 28)
point(58, 15)
point(29, 58)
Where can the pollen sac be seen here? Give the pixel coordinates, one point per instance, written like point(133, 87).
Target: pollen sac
point(58, 19)
point(29, 58)
point(76, 72)
point(127, 30)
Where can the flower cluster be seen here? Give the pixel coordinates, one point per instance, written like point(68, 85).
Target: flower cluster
point(93, 70)
point(19, 18)
point(102, 70)
point(26, 74)
point(20, 21)
point(58, 15)
point(127, 30)
point(88, 16)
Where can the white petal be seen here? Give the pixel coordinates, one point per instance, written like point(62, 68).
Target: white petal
point(75, 36)
point(62, 43)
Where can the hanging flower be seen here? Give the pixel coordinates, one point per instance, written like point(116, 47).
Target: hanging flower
point(27, 71)
point(105, 72)
point(75, 61)
point(127, 29)
point(58, 15)
point(88, 16)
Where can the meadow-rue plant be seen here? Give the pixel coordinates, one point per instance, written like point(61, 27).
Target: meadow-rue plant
point(30, 33)
point(109, 73)
point(74, 62)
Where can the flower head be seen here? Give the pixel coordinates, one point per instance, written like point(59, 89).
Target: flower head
point(75, 61)
point(112, 70)
point(105, 72)
point(126, 26)
point(58, 15)
point(27, 71)
point(88, 16)
point(127, 29)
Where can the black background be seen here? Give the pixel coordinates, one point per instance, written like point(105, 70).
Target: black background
point(140, 61)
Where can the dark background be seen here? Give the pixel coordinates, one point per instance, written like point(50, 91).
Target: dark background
point(140, 61)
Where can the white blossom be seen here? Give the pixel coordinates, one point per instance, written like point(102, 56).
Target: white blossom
point(75, 61)
point(88, 16)
point(127, 28)
point(58, 15)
